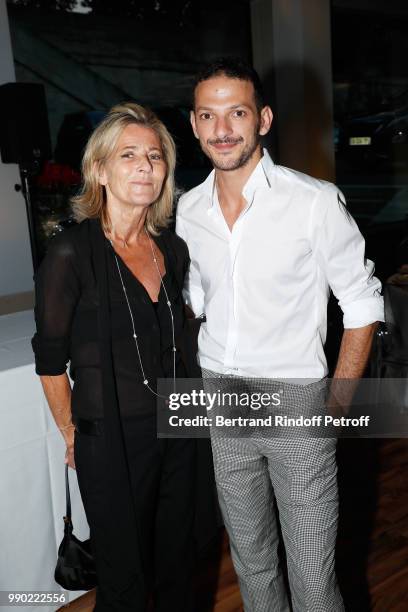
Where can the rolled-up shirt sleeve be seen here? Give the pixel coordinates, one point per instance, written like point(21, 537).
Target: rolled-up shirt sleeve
point(341, 253)
point(57, 290)
point(193, 292)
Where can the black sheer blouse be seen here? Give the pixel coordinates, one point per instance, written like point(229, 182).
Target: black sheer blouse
point(67, 323)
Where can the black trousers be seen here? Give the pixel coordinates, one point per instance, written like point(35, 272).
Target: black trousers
point(162, 478)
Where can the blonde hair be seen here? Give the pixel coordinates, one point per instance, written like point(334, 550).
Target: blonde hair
point(90, 203)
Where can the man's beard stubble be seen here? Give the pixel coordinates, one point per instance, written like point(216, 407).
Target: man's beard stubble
point(243, 159)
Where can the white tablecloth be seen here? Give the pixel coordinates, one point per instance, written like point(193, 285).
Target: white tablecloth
point(32, 492)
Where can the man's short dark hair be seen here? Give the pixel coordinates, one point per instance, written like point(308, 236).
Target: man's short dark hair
point(234, 68)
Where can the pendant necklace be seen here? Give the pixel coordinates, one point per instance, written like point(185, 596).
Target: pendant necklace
point(146, 382)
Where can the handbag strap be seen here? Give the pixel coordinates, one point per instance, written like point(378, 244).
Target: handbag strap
point(67, 518)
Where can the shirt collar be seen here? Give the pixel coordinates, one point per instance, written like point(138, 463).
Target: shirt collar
point(260, 177)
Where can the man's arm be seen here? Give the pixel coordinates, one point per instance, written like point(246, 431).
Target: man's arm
point(354, 351)
point(340, 250)
point(353, 357)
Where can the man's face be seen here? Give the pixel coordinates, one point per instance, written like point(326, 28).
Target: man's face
point(227, 122)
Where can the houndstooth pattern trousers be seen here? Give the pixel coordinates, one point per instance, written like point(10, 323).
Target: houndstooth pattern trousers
point(255, 470)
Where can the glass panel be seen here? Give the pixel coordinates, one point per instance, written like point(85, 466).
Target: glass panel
point(370, 79)
point(92, 54)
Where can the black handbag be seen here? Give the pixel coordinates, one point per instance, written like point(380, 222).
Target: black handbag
point(75, 569)
point(390, 346)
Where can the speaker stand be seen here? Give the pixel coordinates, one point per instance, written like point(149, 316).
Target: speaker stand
point(25, 173)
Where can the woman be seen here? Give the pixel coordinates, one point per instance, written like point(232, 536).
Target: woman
point(108, 298)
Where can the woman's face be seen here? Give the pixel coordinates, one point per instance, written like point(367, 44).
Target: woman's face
point(133, 175)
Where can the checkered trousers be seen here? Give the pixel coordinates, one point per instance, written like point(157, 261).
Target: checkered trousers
point(257, 472)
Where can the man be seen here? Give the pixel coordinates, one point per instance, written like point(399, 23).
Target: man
point(266, 244)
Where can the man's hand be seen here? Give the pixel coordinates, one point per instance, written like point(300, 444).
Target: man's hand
point(189, 313)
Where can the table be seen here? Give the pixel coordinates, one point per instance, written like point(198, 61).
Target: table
point(32, 493)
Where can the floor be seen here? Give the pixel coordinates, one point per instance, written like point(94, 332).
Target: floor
point(372, 551)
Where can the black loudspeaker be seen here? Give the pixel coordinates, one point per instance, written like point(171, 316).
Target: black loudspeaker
point(24, 129)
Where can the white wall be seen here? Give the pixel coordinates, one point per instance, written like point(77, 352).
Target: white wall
point(16, 269)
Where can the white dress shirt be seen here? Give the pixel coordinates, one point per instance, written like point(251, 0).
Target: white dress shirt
point(264, 286)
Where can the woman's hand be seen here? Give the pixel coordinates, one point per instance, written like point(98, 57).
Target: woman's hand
point(69, 441)
point(57, 390)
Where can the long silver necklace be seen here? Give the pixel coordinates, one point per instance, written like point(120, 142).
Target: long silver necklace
point(146, 382)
